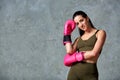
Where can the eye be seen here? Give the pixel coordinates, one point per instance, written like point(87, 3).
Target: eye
point(81, 20)
point(77, 23)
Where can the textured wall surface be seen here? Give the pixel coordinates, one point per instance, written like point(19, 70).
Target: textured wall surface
point(31, 33)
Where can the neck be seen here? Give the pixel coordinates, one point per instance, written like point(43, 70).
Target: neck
point(89, 30)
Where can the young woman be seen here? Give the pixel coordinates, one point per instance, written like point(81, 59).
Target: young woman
point(83, 54)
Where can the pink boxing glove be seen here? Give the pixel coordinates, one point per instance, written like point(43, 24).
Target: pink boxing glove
point(68, 28)
point(69, 59)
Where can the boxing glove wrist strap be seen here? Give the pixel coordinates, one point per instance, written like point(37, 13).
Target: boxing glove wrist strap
point(67, 38)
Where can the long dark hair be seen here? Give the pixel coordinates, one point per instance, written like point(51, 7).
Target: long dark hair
point(83, 14)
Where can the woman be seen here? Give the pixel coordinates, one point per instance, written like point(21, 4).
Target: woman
point(83, 54)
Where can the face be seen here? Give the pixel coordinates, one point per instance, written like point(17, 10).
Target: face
point(81, 22)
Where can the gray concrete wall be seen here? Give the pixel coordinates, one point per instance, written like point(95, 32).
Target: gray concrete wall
point(31, 33)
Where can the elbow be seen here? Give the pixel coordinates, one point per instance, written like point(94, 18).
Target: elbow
point(93, 54)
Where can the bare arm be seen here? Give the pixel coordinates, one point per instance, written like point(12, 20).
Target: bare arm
point(101, 36)
point(71, 48)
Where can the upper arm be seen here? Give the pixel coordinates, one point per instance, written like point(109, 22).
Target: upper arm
point(74, 45)
point(101, 36)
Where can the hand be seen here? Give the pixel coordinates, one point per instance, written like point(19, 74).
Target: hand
point(69, 59)
point(68, 28)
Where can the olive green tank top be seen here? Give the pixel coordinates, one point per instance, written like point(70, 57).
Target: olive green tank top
point(85, 45)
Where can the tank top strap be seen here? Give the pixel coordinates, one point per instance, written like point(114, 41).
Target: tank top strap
point(96, 31)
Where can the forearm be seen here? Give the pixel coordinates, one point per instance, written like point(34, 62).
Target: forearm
point(68, 28)
point(98, 45)
point(69, 48)
point(90, 54)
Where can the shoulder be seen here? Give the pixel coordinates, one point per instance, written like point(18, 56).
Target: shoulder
point(101, 33)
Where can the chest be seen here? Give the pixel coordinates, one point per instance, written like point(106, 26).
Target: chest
point(86, 44)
